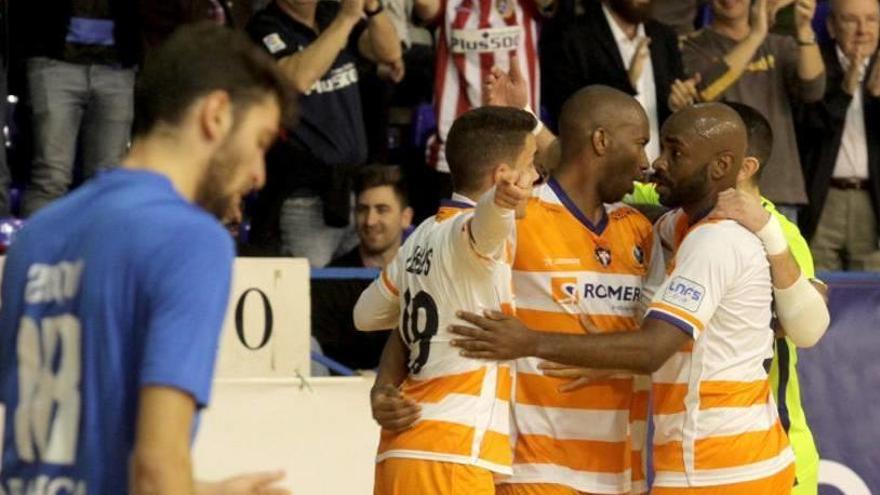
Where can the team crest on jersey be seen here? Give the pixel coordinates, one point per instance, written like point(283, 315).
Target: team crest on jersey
point(639, 255)
point(564, 290)
point(603, 256)
point(505, 7)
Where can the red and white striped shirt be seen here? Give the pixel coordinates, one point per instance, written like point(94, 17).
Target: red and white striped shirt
point(474, 36)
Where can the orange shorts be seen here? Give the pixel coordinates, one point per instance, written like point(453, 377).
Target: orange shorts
point(397, 476)
point(779, 484)
point(536, 489)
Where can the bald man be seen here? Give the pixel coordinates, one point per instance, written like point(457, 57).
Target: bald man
point(582, 252)
point(704, 337)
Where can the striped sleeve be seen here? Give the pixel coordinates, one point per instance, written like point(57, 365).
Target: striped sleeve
point(704, 266)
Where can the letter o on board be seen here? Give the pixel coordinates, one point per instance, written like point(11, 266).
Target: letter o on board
point(239, 319)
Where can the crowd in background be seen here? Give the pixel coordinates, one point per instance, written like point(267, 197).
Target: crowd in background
point(382, 80)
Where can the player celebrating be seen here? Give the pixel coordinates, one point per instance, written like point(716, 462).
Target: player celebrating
point(114, 296)
point(461, 257)
point(705, 336)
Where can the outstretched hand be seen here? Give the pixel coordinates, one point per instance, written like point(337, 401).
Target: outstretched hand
point(497, 336)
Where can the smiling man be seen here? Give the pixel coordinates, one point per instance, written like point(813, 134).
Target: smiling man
point(382, 214)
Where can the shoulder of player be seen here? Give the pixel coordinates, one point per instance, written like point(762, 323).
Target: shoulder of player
point(622, 212)
point(724, 235)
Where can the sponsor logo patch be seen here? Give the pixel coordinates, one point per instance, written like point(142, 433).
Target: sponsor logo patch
point(685, 294)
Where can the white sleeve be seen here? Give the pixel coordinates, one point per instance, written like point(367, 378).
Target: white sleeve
point(375, 311)
point(490, 227)
point(378, 307)
point(705, 264)
point(802, 312)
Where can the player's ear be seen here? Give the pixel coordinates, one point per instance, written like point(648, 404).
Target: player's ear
point(214, 113)
point(750, 167)
point(600, 140)
point(722, 166)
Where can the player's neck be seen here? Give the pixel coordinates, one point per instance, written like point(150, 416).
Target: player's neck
point(698, 210)
point(582, 193)
point(169, 158)
point(750, 189)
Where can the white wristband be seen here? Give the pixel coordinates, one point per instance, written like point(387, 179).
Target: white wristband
point(773, 237)
point(540, 126)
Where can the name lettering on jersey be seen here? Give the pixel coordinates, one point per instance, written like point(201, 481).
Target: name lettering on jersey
point(685, 294)
point(568, 290)
point(53, 283)
point(337, 79)
point(622, 293)
point(419, 262)
point(485, 40)
point(44, 485)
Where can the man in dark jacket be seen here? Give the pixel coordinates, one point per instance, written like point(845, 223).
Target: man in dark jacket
point(615, 44)
point(840, 144)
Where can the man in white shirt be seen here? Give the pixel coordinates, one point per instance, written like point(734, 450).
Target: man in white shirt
point(840, 137)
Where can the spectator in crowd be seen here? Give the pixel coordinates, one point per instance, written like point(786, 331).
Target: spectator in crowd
point(308, 194)
point(615, 44)
point(160, 19)
point(840, 140)
point(473, 38)
point(738, 60)
point(382, 214)
point(81, 56)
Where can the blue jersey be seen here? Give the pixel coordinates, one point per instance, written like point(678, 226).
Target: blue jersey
point(120, 285)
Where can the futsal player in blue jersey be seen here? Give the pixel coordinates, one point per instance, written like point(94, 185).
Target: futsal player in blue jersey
point(113, 297)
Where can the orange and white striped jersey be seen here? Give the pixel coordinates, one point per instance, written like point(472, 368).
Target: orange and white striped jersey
point(591, 439)
point(474, 36)
point(465, 402)
point(714, 415)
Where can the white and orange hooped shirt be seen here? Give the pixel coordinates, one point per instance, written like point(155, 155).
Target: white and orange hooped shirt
point(592, 439)
point(465, 402)
point(714, 415)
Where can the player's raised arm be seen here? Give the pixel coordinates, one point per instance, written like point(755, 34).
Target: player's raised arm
point(495, 214)
point(800, 306)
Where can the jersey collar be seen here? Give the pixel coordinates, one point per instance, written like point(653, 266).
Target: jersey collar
point(574, 210)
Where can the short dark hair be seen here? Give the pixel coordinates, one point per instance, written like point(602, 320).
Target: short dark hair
point(760, 135)
point(379, 175)
point(198, 59)
point(482, 138)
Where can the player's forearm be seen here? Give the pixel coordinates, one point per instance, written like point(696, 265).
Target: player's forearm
point(784, 270)
point(614, 351)
point(161, 473)
point(392, 366)
point(802, 312)
point(491, 225)
point(306, 67)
